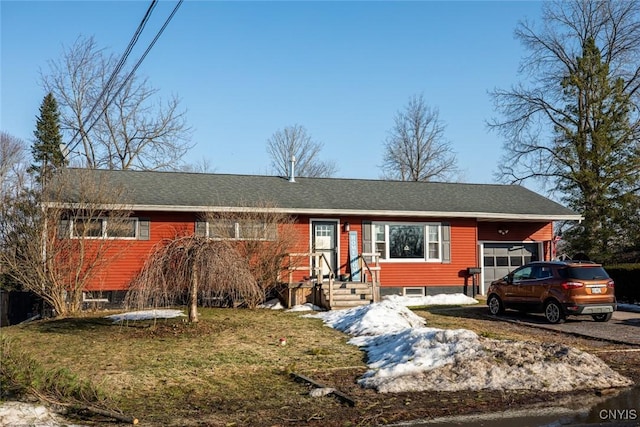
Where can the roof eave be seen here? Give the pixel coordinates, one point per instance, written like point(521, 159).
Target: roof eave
point(486, 216)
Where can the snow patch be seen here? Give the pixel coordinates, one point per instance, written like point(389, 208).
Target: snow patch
point(404, 355)
point(145, 315)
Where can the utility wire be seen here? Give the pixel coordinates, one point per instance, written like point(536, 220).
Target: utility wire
point(144, 55)
point(153, 42)
point(130, 75)
point(116, 71)
point(125, 56)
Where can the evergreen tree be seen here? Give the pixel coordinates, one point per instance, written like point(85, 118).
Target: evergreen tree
point(46, 151)
point(594, 154)
point(574, 126)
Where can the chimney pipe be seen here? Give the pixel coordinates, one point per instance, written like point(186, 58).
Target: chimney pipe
point(292, 169)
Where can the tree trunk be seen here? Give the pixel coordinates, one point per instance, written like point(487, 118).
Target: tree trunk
point(193, 294)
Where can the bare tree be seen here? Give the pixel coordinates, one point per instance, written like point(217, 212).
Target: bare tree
point(576, 125)
point(110, 120)
point(56, 242)
point(530, 114)
point(295, 141)
point(192, 269)
point(13, 165)
point(203, 165)
point(416, 149)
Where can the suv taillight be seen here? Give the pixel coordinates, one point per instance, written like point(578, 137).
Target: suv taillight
point(610, 284)
point(572, 285)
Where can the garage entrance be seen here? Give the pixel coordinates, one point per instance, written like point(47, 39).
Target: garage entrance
point(498, 259)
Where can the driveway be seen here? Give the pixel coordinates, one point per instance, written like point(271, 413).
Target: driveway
point(623, 328)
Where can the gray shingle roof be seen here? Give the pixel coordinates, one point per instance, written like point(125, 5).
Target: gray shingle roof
point(179, 191)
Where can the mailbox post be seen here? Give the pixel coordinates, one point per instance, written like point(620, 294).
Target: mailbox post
point(473, 272)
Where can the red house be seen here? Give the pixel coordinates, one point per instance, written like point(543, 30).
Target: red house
point(428, 237)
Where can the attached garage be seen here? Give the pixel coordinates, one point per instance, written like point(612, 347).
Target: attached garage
point(498, 259)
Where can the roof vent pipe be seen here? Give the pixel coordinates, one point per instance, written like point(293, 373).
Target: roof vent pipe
point(292, 169)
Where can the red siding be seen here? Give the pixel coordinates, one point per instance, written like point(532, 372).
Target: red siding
point(463, 255)
point(129, 256)
point(518, 231)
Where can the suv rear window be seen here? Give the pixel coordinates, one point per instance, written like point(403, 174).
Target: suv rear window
point(584, 273)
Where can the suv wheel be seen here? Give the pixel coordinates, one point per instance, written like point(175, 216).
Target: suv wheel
point(495, 305)
point(603, 317)
point(553, 312)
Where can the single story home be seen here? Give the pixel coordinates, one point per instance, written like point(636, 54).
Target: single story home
point(416, 238)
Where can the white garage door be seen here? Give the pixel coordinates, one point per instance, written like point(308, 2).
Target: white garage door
point(501, 258)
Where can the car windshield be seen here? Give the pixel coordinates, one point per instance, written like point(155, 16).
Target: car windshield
point(584, 273)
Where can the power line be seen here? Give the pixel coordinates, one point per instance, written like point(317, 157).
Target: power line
point(120, 64)
point(117, 69)
point(144, 55)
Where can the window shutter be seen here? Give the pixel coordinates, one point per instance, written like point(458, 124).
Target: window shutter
point(63, 229)
point(446, 243)
point(201, 228)
point(144, 229)
point(367, 244)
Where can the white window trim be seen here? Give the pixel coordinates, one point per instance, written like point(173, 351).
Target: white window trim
point(86, 299)
point(413, 288)
point(386, 258)
point(236, 232)
point(103, 234)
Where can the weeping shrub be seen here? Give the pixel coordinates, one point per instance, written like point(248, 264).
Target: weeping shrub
point(196, 271)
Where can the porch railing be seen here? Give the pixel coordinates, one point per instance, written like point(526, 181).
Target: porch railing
point(371, 271)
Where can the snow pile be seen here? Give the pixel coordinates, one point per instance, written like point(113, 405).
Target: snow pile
point(146, 315)
point(440, 299)
point(386, 317)
point(27, 414)
point(404, 355)
point(272, 304)
point(306, 307)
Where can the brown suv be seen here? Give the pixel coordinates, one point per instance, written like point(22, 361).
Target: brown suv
point(557, 289)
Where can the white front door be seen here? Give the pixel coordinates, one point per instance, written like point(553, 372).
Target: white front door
point(324, 241)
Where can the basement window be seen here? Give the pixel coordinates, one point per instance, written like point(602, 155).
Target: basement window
point(94, 296)
point(414, 292)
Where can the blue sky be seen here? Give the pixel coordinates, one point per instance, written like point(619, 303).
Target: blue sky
point(246, 69)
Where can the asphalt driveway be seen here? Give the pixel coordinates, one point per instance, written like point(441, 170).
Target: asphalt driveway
point(623, 328)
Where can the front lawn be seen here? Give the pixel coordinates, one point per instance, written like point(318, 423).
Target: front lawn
point(168, 372)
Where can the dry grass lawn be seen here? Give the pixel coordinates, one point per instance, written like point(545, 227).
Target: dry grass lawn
point(229, 369)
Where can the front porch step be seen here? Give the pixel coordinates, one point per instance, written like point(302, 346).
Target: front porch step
point(349, 294)
point(350, 291)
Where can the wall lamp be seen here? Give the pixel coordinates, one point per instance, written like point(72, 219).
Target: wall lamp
point(503, 231)
point(346, 227)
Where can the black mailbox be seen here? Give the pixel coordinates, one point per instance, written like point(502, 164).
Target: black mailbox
point(474, 270)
